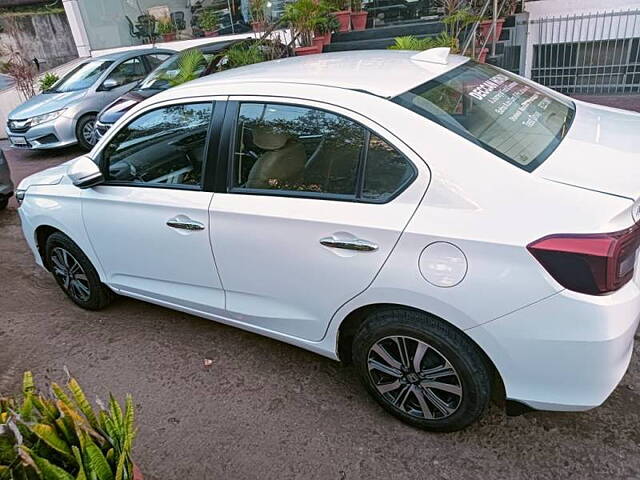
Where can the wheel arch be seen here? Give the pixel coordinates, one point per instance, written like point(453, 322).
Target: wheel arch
point(41, 234)
point(353, 320)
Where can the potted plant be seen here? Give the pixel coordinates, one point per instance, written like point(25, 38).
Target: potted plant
point(167, 30)
point(209, 21)
point(60, 436)
point(326, 24)
point(340, 9)
point(258, 10)
point(484, 27)
point(303, 16)
point(358, 16)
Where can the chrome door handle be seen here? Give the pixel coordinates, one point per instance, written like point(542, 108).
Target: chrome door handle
point(356, 244)
point(185, 224)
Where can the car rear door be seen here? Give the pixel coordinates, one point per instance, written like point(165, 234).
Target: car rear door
point(313, 201)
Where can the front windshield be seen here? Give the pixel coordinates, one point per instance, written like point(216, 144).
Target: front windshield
point(505, 114)
point(81, 77)
point(164, 76)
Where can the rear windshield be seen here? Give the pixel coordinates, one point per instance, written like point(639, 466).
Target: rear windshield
point(502, 113)
point(166, 75)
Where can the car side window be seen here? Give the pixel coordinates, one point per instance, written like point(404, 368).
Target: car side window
point(156, 59)
point(296, 149)
point(387, 171)
point(128, 71)
point(312, 152)
point(165, 146)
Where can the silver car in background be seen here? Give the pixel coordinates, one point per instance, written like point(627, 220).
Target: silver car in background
point(65, 114)
point(6, 185)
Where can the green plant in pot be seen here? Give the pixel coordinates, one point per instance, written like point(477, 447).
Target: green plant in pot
point(258, 9)
point(341, 10)
point(209, 21)
point(61, 437)
point(325, 26)
point(410, 42)
point(358, 16)
point(303, 17)
point(166, 29)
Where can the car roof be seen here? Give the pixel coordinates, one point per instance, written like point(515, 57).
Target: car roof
point(131, 53)
point(384, 73)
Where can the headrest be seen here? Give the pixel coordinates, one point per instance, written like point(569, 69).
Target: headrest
point(267, 138)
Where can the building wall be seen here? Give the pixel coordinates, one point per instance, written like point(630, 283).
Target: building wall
point(46, 37)
point(550, 8)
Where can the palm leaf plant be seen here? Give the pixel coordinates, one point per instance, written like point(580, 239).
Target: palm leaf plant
point(60, 436)
point(189, 67)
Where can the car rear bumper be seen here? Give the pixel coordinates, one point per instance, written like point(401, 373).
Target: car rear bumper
point(567, 352)
point(56, 134)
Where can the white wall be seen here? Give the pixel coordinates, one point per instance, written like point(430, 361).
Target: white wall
point(551, 8)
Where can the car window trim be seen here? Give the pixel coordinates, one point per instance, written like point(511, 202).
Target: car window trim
point(101, 161)
point(230, 139)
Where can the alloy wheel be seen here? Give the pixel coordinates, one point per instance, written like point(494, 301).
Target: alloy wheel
point(88, 132)
point(414, 377)
point(70, 274)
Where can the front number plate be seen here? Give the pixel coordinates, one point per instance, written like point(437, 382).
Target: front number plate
point(19, 141)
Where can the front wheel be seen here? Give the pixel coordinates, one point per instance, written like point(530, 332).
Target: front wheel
point(85, 132)
point(75, 274)
point(422, 370)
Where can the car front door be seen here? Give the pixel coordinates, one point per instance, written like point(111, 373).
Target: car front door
point(122, 78)
point(149, 221)
point(315, 201)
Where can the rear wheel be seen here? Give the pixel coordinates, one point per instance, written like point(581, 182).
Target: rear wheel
point(422, 370)
point(85, 132)
point(75, 274)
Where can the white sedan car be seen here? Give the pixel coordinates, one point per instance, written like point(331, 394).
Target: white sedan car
point(449, 227)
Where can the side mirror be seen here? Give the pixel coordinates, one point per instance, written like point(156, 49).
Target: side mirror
point(110, 84)
point(84, 173)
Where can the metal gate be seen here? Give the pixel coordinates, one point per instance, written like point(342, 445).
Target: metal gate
point(588, 54)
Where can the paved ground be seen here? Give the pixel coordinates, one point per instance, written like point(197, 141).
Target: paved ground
point(265, 410)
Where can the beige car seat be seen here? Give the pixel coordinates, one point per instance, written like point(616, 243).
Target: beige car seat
point(282, 162)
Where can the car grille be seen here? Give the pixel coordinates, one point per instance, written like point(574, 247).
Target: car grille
point(18, 126)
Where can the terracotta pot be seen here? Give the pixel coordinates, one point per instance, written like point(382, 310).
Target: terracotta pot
point(326, 37)
point(359, 20)
point(168, 37)
point(313, 49)
point(344, 17)
point(257, 26)
point(318, 42)
point(213, 33)
point(482, 56)
point(485, 26)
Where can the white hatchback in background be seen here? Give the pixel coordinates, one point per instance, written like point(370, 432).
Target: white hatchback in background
point(445, 225)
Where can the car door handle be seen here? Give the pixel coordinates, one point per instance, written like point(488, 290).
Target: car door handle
point(185, 224)
point(355, 244)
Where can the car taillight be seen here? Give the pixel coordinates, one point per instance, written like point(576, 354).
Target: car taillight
point(589, 263)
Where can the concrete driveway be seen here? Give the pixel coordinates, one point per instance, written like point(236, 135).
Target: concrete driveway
point(266, 410)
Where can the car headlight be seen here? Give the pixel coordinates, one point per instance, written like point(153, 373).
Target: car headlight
point(47, 117)
point(20, 196)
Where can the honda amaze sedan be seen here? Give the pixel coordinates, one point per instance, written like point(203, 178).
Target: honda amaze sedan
point(446, 226)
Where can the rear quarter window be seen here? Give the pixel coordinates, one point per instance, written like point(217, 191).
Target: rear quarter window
point(501, 112)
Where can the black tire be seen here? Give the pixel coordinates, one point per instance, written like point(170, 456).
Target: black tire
point(4, 201)
point(471, 376)
point(97, 295)
point(86, 122)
